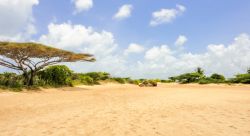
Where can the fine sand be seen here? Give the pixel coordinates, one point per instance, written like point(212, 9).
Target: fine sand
point(128, 110)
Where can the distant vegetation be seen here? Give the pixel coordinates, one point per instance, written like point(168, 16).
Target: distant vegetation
point(198, 76)
point(61, 75)
point(37, 62)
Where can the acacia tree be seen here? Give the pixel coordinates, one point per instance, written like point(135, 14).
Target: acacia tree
point(29, 58)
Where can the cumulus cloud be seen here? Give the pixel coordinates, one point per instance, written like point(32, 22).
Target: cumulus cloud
point(162, 62)
point(134, 48)
point(123, 12)
point(164, 16)
point(158, 61)
point(79, 38)
point(158, 53)
point(17, 22)
point(181, 40)
point(82, 5)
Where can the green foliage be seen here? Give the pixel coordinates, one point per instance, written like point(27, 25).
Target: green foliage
point(61, 75)
point(119, 80)
point(96, 76)
point(209, 80)
point(86, 80)
point(189, 78)
point(216, 76)
point(248, 71)
point(205, 81)
point(200, 71)
point(56, 75)
point(173, 79)
point(30, 58)
point(136, 82)
point(91, 78)
point(167, 81)
point(11, 80)
point(241, 78)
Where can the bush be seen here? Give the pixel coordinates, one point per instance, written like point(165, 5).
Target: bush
point(241, 78)
point(173, 79)
point(87, 80)
point(148, 83)
point(119, 80)
point(206, 80)
point(136, 82)
point(216, 76)
point(56, 75)
point(11, 80)
point(96, 76)
point(189, 78)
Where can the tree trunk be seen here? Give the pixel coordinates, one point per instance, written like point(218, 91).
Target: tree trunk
point(31, 79)
point(26, 78)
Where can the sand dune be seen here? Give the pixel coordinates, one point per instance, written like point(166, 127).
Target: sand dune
point(128, 110)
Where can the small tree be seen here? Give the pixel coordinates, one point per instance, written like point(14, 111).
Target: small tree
point(200, 70)
point(29, 58)
point(248, 71)
point(217, 77)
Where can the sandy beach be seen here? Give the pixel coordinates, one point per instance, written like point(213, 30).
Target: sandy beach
point(128, 110)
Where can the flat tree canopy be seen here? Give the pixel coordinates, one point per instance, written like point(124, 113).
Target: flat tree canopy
point(32, 57)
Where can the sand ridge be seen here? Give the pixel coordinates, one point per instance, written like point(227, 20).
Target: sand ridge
point(128, 110)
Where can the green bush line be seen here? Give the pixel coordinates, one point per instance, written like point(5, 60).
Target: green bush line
point(60, 75)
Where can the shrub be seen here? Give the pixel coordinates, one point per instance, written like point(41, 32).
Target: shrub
point(87, 80)
point(98, 75)
point(119, 80)
point(56, 75)
point(216, 76)
point(136, 82)
point(11, 80)
point(241, 78)
point(173, 79)
point(189, 77)
point(206, 80)
point(148, 83)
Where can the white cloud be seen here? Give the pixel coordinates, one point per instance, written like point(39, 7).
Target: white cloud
point(181, 40)
point(79, 38)
point(162, 62)
point(83, 5)
point(134, 48)
point(158, 61)
point(123, 12)
point(158, 53)
point(164, 16)
point(16, 19)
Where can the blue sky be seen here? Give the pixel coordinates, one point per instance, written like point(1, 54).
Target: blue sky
point(210, 29)
point(204, 21)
